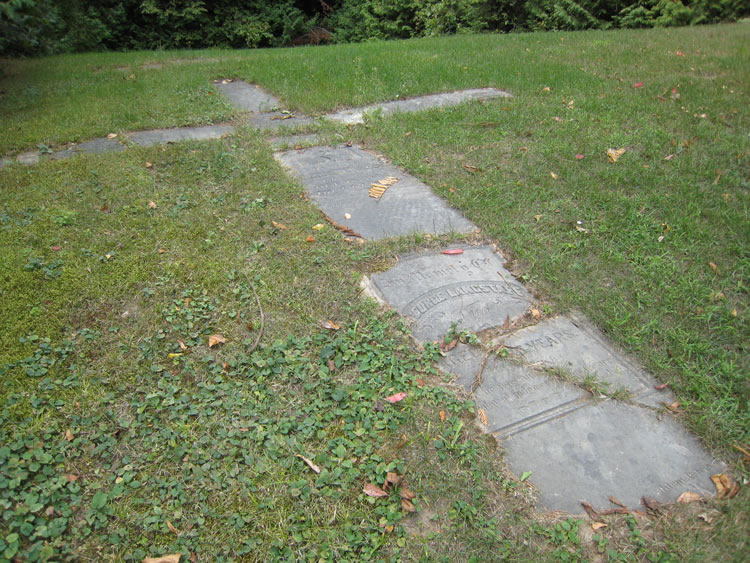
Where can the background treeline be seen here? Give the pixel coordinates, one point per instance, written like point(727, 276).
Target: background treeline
point(34, 27)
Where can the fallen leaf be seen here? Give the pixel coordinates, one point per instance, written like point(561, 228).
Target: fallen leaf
point(614, 511)
point(69, 436)
point(661, 387)
point(482, 417)
point(546, 89)
point(174, 558)
point(638, 85)
point(329, 325)
point(453, 251)
point(669, 157)
point(590, 510)
point(580, 157)
point(506, 324)
point(331, 365)
point(396, 398)
point(161, 251)
point(310, 238)
point(407, 494)
point(582, 229)
point(318, 227)
point(447, 347)
point(674, 407)
point(614, 500)
point(525, 475)
point(679, 53)
point(614, 154)
point(713, 266)
point(651, 503)
point(193, 556)
point(535, 313)
point(471, 168)
point(215, 339)
point(705, 517)
point(537, 218)
point(278, 225)
point(554, 176)
point(347, 216)
point(688, 496)
point(108, 256)
point(733, 312)
point(309, 463)
point(408, 505)
point(149, 165)
point(152, 204)
point(111, 135)
point(442, 416)
point(71, 478)
point(374, 491)
point(172, 529)
point(393, 478)
point(182, 345)
point(558, 119)
point(725, 487)
point(598, 525)
point(57, 248)
point(173, 355)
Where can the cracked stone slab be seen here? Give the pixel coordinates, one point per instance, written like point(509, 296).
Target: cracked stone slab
point(436, 290)
point(304, 140)
point(611, 448)
point(356, 115)
point(576, 346)
point(247, 97)
point(464, 362)
point(515, 397)
point(161, 136)
point(277, 120)
point(338, 180)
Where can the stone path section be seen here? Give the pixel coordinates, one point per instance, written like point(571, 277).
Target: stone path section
point(247, 97)
point(356, 115)
point(163, 136)
point(577, 446)
point(338, 180)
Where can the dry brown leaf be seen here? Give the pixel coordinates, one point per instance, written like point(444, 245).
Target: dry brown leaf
point(161, 251)
point(590, 510)
point(537, 218)
point(614, 154)
point(483, 417)
point(546, 89)
point(112, 136)
point(713, 266)
point(374, 491)
point(69, 436)
point(309, 463)
point(598, 525)
point(71, 478)
point(393, 478)
point(506, 324)
point(329, 325)
point(688, 496)
point(279, 225)
point(407, 494)
point(535, 313)
point(614, 500)
point(408, 505)
point(651, 503)
point(182, 345)
point(442, 416)
point(725, 486)
point(215, 339)
point(174, 558)
point(172, 529)
point(310, 238)
point(149, 165)
point(471, 168)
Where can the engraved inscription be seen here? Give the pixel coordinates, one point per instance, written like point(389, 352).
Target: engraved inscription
point(501, 291)
point(548, 340)
point(666, 487)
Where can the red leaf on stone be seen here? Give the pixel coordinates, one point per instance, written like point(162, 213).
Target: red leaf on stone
point(453, 251)
point(396, 398)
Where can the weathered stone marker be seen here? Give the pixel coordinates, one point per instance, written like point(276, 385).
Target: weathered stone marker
point(247, 97)
point(472, 289)
point(338, 180)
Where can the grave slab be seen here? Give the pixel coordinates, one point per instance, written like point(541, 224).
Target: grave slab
point(436, 290)
point(247, 97)
point(162, 136)
point(575, 345)
point(515, 397)
point(31, 157)
point(464, 362)
point(98, 146)
point(276, 120)
point(338, 180)
point(611, 448)
point(304, 140)
point(356, 115)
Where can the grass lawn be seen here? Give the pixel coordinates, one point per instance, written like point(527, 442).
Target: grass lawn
point(123, 434)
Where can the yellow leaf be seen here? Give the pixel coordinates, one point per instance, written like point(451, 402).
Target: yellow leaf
point(174, 355)
point(111, 135)
point(149, 165)
point(215, 339)
point(442, 416)
point(278, 225)
point(688, 496)
point(161, 251)
point(546, 89)
point(69, 436)
point(537, 218)
point(614, 154)
point(318, 227)
point(483, 417)
point(598, 525)
point(554, 176)
point(174, 558)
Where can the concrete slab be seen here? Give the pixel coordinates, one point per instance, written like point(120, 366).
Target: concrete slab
point(276, 120)
point(338, 180)
point(247, 97)
point(472, 289)
point(31, 157)
point(575, 345)
point(101, 145)
point(515, 397)
point(464, 362)
point(293, 141)
point(356, 115)
point(5, 161)
point(610, 449)
point(161, 136)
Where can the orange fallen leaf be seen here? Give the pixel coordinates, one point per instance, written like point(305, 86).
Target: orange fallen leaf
point(161, 251)
point(725, 486)
point(713, 266)
point(374, 491)
point(309, 463)
point(614, 154)
point(215, 339)
point(452, 251)
point(173, 558)
point(614, 500)
point(330, 325)
point(598, 525)
point(483, 417)
point(396, 398)
point(535, 313)
point(149, 165)
point(71, 478)
point(310, 238)
point(679, 53)
point(546, 89)
point(172, 529)
point(661, 387)
point(688, 496)
point(442, 416)
point(408, 505)
point(69, 436)
point(278, 225)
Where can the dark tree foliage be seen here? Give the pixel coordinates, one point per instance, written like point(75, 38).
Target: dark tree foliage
point(35, 27)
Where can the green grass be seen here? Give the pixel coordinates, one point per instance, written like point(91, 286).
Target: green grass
point(99, 288)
